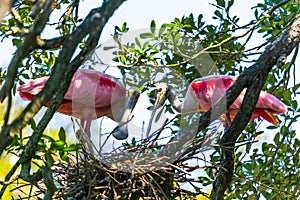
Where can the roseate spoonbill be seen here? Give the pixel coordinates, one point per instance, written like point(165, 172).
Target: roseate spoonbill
point(205, 92)
point(91, 95)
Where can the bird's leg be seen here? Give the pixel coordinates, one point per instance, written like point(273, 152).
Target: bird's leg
point(85, 137)
point(82, 122)
point(87, 128)
point(121, 132)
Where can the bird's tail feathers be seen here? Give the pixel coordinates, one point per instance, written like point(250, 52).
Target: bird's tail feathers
point(265, 114)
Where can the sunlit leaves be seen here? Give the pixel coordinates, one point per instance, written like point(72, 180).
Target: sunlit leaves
point(272, 24)
point(176, 43)
point(270, 171)
point(59, 146)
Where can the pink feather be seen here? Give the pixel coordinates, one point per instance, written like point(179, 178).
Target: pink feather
point(208, 90)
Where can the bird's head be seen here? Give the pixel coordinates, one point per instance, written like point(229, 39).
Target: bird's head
point(165, 91)
point(162, 93)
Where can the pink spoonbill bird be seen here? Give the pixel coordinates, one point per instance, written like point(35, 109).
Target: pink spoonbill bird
point(91, 95)
point(205, 92)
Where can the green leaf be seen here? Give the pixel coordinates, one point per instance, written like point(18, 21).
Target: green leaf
point(72, 147)
point(284, 129)
point(46, 137)
point(161, 30)
point(124, 27)
point(199, 23)
point(145, 45)
point(32, 124)
point(62, 134)
point(147, 35)
point(230, 3)
point(177, 37)
point(118, 29)
point(221, 3)
point(276, 138)
point(153, 26)
point(296, 87)
point(256, 13)
point(58, 143)
point(64, 156)
point(108, 48)
point(42, 145)
point(137, 41)
point(52, 59)
point(210, 29)
point(16, 42)
point(218, 14)
point(297, 143)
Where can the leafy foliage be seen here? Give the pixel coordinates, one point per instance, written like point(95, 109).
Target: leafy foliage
point(188, 48)
point(266, 171)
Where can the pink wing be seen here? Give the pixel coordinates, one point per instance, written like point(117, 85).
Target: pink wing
point(94, 87)
point(90, 92)
point(33, 87)
point(208, 90)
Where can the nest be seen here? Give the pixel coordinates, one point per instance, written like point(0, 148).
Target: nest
point(90, 179)
point(139, 172)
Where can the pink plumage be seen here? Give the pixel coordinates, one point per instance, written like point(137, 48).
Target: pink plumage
point(91, 95)
point(207, 91)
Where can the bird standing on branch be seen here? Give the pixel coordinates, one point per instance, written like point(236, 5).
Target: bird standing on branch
point(205, 92)
point(91, 95)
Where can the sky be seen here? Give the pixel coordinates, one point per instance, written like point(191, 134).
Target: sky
point(138, 15)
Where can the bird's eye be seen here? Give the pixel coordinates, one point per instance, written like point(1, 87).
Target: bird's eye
point(159, 89)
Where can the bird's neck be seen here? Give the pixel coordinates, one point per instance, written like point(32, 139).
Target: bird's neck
point(118, 109)
point(126, 106)
point(189, 105)
point(174, 100)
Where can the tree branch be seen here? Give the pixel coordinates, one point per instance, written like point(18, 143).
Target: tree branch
point(92, 25)
point(25, 48)
point(255, 78)
point(60, 69)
